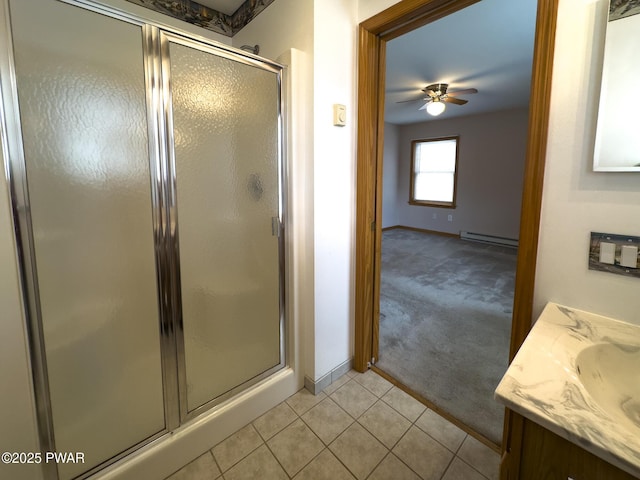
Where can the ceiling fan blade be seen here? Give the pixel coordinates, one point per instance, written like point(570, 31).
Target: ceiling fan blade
point(463, 92)
point(457, 101)
point(414, 100)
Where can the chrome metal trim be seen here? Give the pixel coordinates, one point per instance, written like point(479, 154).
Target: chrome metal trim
point(16, 176)
point(157, 168)
point(224, 51)
point(284, 218)
point(171, 217)
point(166, 39)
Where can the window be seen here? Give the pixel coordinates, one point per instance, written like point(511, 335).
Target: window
point(433, 172)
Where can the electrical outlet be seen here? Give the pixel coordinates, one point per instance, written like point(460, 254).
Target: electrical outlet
point(435, 215)
point(450, 217)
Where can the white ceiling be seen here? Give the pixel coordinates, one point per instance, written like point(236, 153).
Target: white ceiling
point(227, 7)
point(488, 46)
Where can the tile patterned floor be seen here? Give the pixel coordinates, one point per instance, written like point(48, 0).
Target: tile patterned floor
point(361, 427)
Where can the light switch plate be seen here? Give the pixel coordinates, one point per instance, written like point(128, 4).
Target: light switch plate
point(629, 256)
point(339, 115)
point(608, 253)
point(614, 253)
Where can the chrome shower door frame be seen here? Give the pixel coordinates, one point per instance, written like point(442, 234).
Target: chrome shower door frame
point(166, 38)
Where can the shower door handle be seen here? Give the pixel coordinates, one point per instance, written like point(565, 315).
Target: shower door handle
point(275, 226)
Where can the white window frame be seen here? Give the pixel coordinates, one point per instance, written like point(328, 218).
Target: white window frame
point(424, 169)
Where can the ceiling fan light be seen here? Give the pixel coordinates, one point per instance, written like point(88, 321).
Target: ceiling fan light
point(435, 108)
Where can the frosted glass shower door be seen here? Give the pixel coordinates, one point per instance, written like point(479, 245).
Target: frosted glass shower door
point(81, 90)
point(226, 118)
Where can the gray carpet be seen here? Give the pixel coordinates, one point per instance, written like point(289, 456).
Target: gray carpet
point(445, 321)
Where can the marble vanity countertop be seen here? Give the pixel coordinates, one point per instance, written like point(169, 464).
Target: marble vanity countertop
point(543, 384)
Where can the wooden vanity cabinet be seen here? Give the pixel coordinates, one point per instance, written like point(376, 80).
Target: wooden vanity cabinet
point(546, 456)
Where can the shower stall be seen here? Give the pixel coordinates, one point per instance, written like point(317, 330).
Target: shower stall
point(146, 175)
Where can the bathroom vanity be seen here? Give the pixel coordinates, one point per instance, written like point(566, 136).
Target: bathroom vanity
point(576, 382)
point(546, 455)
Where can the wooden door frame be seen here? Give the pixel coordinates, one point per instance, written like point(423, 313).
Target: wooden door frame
point(373, 35)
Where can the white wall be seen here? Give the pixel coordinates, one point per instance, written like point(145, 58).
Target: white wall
point(491, 155)
point(369, 8)
point(576, 200)
point(282, 25)
point(334, 182)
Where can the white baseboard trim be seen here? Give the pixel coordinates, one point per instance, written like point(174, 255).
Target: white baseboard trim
point(492, 239)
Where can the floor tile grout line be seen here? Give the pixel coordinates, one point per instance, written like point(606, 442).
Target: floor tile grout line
point(354, 419)
point(214, 461)
point(380, 463)
point(314, 394)
point(472, 467)
point(324, 447)
point(403, 415)
point(236, 463)
point(340, 433)
point(374, 435)
point(278, 460)
point(444, 472)
point(299, 417)
point(413, 424)
point(338, 459)
point(368, 389)
point(400, 459)
point(281, 429)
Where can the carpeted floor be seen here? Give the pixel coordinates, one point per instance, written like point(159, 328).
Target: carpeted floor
point(445, 321)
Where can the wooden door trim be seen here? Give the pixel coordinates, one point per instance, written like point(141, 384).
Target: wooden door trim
point(539, 107)
point(373, 34)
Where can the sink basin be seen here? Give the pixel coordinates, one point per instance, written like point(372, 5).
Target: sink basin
point(610, 373)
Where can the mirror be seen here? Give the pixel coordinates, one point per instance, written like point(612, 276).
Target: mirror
point(617, 146)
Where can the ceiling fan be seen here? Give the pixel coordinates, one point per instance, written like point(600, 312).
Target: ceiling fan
point(437, 96)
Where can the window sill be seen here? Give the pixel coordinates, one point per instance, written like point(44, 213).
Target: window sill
point(432, 204)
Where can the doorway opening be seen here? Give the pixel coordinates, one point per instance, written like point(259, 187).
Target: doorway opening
point(373, 36)
point(452, 189)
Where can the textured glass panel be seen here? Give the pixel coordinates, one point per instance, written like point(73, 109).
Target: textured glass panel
point(82, 100)
point(225, 122)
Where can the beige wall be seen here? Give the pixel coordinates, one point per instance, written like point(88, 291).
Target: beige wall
point(491, 157)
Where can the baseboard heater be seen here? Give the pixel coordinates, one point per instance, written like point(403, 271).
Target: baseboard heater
point(478, 237)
